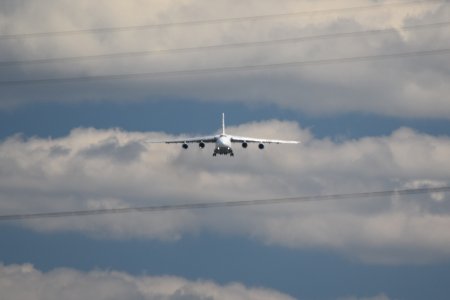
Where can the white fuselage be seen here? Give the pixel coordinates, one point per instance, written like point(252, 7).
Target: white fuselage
point(223, 145)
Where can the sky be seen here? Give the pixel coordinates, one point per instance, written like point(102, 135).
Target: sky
point(353, 80)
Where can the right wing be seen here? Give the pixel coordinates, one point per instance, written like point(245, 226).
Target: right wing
point(242, 139)
point(204, 139)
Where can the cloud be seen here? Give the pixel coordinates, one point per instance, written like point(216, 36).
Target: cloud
point(72, 284)
point(93, 169)
point(412, 87)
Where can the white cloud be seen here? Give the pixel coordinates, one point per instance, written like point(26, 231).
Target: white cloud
point(91, 169)
point(399, 87)
point(72, 284)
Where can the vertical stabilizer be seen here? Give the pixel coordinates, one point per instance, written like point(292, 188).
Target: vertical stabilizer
point(223, 123)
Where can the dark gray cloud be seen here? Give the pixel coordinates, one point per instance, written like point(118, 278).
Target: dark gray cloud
point(111, 148)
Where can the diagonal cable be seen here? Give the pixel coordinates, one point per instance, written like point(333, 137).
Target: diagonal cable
point(223, 46)
point(207, 205)
point(296, 64)
point(211, 21)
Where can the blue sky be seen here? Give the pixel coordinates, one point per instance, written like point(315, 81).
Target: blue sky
point(56, 120)
point(312, 274)
point(364, 126)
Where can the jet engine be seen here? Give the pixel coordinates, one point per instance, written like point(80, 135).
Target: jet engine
point(185, 146)
point(201, 145)
point(261, 146)
point(244, 145)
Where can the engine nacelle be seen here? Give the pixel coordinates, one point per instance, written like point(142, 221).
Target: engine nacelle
point(261, 146)
point(185, 146)
point(201, 145)
point(244, 145)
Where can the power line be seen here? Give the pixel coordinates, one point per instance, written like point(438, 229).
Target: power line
point(224, 46)
point(211, 21)
point(225, 69)
point(206, 205)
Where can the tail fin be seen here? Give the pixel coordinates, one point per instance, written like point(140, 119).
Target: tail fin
point(223, 123)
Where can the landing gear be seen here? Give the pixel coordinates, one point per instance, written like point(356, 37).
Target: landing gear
point(223, 151)
point(215, 154)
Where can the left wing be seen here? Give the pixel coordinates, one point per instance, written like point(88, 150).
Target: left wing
point(204, 139)
point(243, 139)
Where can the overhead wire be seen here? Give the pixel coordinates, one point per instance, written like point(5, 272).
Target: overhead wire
point(223, 204)
point(296, 64)
point(210, 21)
point(224, 46)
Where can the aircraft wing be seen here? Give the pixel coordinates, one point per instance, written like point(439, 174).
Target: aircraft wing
point(204, 139)
point(242, 139)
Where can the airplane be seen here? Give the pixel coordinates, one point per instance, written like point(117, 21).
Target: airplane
point(223, 142)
